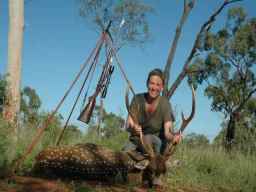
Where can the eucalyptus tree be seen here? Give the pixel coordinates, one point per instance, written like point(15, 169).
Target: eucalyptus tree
point(15, 44)
point(227, 67)
point(169, 89)
point(30, 105)
point(128, 19)
point(244, 129)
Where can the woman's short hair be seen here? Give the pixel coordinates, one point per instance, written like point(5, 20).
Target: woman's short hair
point(156, 72)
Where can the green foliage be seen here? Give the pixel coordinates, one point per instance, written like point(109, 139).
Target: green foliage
point(227, 65)
point(235, 18)
point(3, 87)
point(52, 131)
point(115, 142)
point(109, 133)
point(83, 189)
point(28, 131)
point(72, 135)
point(6, 146)
point(196, 140)
point(245, 130)
point(134, 12)
point(31, 119)
point(112, 125)
point(251, 106)
point(30, 104)
point(105, 124)
point(229, 53)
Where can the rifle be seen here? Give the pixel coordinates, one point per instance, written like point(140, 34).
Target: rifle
point(102, 86)
point(86, 114)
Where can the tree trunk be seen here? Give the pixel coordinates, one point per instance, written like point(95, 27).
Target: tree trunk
point(167, 69)
point(234, 118)
point(230, 134)
point(15, 44)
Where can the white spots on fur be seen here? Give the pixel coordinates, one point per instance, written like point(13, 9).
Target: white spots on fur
point(84, 159)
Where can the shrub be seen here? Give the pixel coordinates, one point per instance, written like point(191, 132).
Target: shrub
point(6, 146)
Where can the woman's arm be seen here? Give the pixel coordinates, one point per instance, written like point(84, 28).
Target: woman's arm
point(136, 128)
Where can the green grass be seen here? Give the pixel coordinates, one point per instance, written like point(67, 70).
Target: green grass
point(115, 143)
point(214, 170)
point(203, 168)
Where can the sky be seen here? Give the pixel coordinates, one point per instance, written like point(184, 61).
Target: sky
point(57, 41)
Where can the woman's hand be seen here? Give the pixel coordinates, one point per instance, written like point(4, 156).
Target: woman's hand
point(174, 138)
point(137, 129)
point(177, 138)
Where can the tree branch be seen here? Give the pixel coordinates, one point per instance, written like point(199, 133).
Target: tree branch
point(187, 8)
point(245, 100)
point(194, 49)
point(237, 65)
point(233, 62)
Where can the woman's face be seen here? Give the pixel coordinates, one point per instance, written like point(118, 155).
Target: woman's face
point(155, 86)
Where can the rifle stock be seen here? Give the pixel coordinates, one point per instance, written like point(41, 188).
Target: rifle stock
point(86, 114)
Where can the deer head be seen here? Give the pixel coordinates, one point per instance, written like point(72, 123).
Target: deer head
point(157, 162)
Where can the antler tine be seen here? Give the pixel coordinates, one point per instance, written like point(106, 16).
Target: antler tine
point(145, 146)
point(185, 121)
point(170, 147)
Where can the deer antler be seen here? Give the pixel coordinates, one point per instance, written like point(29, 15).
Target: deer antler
point(144, 144)
point(185, 122)
point(170, 147)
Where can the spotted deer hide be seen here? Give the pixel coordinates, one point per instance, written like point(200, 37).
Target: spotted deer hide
point(85, 161)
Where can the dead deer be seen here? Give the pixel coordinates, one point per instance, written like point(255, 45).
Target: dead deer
point(91, 161)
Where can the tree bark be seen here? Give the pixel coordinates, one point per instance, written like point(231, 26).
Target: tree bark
point(167, 69)
point(15, 44)
point(230, 134)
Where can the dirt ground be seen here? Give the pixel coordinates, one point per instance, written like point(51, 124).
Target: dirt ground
point(32, 184)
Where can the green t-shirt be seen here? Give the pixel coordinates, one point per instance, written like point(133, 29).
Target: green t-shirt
point(151, 123)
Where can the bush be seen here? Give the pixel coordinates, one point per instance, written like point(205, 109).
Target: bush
point(6, 146)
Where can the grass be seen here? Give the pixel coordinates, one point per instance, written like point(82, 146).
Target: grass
point(205, 169)
point(214, 170)
point(115, 142)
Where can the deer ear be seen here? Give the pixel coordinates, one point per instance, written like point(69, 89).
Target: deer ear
point(141, 165)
